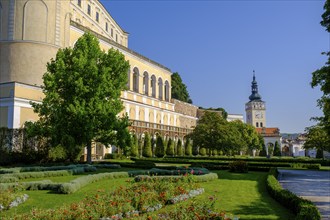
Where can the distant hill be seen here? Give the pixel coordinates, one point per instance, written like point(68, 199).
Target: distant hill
point(291, 136)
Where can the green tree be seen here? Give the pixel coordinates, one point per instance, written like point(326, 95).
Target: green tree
point(277, 150)
point(224, 113)
point(187, 147)
point(179, 148)
point(321, 77)
point(160, 149)
point(147, 150)
point(263, 152)
point(249, 136)
point(179, 89)
point(319, 153)
point(134, 146)
point(170, 147)
point(82, 88)
point(317, 138)
point(209, 131)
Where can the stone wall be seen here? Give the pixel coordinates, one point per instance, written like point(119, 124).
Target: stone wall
point(184, 108)
point(188, 117)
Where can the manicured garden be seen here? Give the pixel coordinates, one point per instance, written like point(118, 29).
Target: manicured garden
point(236, 195)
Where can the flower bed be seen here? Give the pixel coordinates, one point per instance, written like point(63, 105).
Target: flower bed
point(11, 198)
point(135, 200)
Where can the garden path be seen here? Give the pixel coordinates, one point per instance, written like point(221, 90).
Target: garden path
point(309, 184)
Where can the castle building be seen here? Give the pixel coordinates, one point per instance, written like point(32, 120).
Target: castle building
point(32, 31)
point(256, 116)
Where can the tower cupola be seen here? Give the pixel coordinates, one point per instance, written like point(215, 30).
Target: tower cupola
point(254, 87)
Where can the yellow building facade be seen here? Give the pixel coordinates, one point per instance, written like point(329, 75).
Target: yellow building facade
point(31, 32)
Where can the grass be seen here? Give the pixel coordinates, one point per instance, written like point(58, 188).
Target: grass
point(243, 195)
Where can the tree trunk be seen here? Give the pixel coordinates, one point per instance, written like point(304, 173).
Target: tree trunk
point(89, 152)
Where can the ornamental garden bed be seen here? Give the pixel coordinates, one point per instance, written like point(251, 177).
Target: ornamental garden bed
point(244, 195)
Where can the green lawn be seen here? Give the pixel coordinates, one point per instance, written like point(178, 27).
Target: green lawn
point(243, 195)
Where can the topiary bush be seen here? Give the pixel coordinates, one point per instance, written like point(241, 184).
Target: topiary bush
point(238, 167)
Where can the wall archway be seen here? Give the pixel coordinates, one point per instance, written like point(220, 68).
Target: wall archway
point(153, 86)
point(160, 88)
point(167, 91)
point(35, 20)
point(136, 76)
point(146, 83)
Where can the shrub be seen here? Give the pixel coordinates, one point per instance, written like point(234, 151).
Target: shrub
point(306, 166)
point(179, 151)
point(170, 148)
point(160, 149)
point(277, 150)
point(147, 150)
point(238, 167)
point(74, 185)
point(110, 166)
point(188, 147)
point(8, 179)
point(134, 146)
point(202, 151)
point(304, 209)
point(57, 154)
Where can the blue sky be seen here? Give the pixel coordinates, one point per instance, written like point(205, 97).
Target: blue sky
point(216, 45)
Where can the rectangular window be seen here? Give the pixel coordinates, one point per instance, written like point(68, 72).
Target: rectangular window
point(89, 10)
point(97, 16)
point(79, 3)
point(116, 38)
point(111, 32)
point(106, 26)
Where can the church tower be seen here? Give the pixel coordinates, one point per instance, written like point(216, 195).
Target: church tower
point(255, 109)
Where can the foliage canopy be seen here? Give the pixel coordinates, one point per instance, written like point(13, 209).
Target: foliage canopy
point(82, 88)
point(179, 89)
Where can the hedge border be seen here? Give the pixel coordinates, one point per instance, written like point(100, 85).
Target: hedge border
point(303, 209)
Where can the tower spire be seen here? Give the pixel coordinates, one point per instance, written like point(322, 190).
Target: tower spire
point(254, 87)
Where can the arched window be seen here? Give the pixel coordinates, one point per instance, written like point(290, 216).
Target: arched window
point(257, 124)
point(153, 86)
point(136, 79)
point(129, 79)
point(146, 83)
point(261, 125)
point(160, 88)
point(167, 91)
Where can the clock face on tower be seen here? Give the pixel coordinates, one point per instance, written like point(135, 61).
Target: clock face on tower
point(258, 114)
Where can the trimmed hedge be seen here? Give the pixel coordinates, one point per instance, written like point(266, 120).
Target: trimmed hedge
point(238, 166)
point(304, 209)
point(14, 177)
point(316, 166)
point(288, 160)
point(200, 178)
point(74, 185)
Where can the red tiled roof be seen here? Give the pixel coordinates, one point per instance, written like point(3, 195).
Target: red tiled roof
point(268, 131)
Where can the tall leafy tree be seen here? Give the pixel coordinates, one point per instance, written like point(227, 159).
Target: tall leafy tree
point(82, 88)
point(317, 138)
point(179, 89)
point(321, 77)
